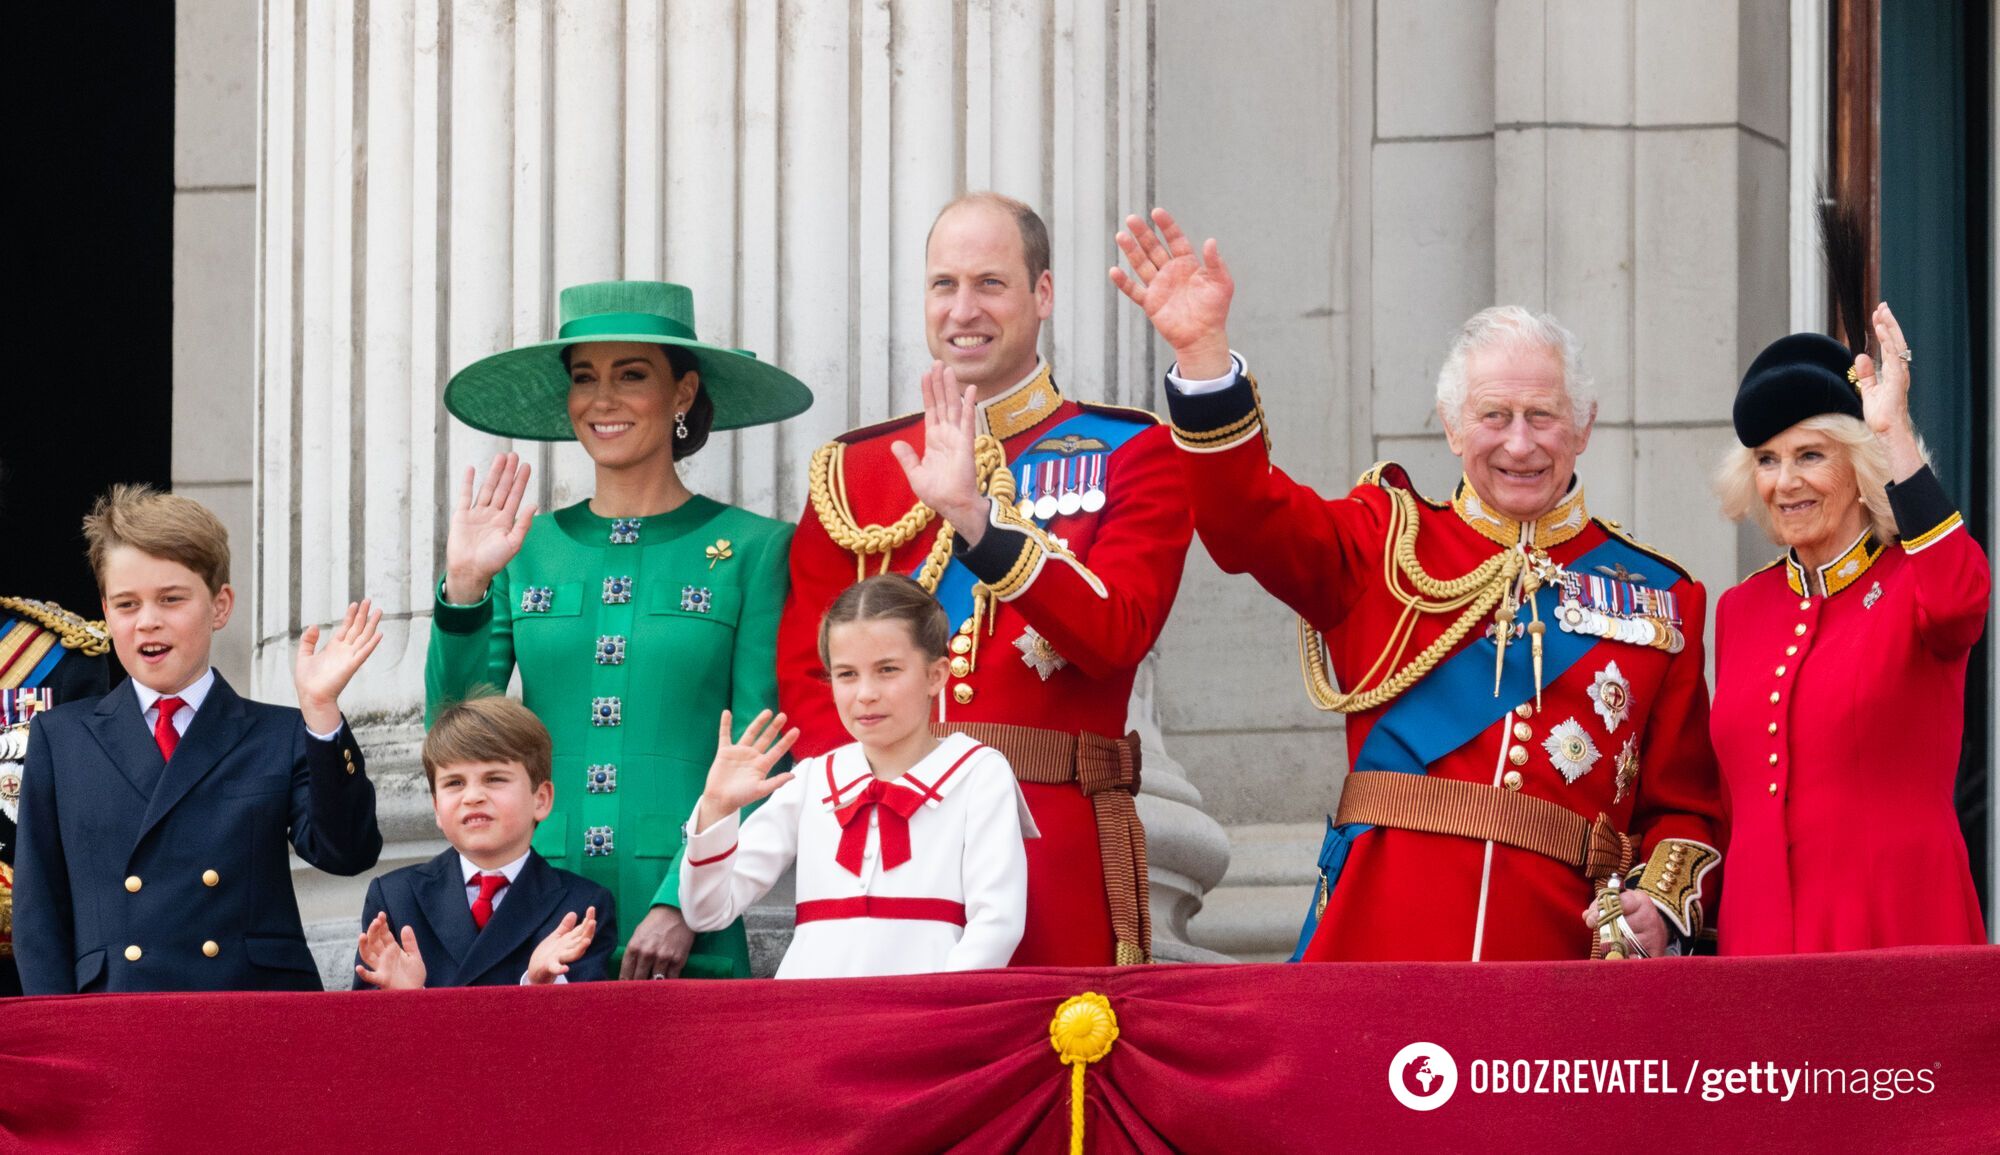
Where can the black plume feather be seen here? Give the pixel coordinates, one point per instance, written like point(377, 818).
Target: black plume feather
point(1844, 240)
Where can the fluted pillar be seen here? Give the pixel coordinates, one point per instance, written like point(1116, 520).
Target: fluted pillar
point(433, 171)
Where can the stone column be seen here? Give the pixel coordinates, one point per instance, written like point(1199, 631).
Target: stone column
point(1640, 194)
point(433, 171)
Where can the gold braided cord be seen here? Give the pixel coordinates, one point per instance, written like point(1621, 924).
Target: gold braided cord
point(75, 631)
point(827, 482)
point(1476, 593)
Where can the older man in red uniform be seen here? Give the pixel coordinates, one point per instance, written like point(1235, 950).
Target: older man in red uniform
point(1053, 533)
point(1527, 712)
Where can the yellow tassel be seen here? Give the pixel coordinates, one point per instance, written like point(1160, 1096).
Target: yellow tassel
point(1082, 1032)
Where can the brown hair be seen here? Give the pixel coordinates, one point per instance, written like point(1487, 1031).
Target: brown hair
point(1034, 233)
point(164, 525)
point(889, 597)
point(488, 728)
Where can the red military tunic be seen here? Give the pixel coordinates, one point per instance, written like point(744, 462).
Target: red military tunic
point(1839, 712)
point(1074, 610)
point(1620, 732)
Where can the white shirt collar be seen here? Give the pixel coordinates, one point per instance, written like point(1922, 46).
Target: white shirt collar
point(512, 870)
point(193, 694)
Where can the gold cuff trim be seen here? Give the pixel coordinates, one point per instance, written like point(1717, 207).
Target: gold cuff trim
point(1672, 879)
point(1933, 534)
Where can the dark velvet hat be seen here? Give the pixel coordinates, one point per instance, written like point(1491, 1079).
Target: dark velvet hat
point(1805, 375)
point(1795, 377)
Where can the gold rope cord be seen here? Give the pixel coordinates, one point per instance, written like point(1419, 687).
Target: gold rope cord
point(827, 481)
point(1476, 593)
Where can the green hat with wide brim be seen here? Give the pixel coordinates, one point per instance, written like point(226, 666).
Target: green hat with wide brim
point(525, 392)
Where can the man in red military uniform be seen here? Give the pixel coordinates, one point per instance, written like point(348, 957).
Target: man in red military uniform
point(1053, 533)
point(1527, 712)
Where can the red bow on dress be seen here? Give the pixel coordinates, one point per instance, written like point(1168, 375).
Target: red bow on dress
point(894, 807)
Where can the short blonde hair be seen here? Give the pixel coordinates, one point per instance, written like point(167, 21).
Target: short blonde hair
point(165, 525)
point(1736, 480)
point(488, 728)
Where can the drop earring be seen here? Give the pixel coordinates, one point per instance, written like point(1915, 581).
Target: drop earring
point(680, 427)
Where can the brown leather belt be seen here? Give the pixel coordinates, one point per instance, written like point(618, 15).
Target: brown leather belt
point(1107, 770)
point(1470, 810)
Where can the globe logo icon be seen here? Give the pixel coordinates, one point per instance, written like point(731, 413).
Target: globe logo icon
point(1423, 1076)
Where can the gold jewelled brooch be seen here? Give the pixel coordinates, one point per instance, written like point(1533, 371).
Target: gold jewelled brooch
point(718, 552)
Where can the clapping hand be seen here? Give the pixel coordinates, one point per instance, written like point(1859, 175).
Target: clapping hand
point(388, 964)
point(320, 673)
point(945, 477)
point(564, 945)
point(1186, 296)
point(1885, 395)
point(738, 776)
point(487, 528)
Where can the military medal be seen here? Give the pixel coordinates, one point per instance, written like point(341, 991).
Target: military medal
point(10, 787)
point(1093, 489)
point(1628, 769)
point(1038, 654)
point(1611, 695)
point(1026, 506)
point(1571, 749)
point(1047, 504)
point(1071, 501)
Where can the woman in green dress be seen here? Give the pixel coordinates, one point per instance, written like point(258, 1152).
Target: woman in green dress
point(635, 617)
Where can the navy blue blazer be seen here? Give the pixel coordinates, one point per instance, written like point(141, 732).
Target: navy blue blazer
point(134, 874)
point(430, 897)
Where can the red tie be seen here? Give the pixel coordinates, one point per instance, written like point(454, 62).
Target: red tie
point(163, 728)
point(482, 907)
point(894, 806)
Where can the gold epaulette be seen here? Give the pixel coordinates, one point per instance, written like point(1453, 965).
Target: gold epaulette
point(74, 630)
point(1618, 531)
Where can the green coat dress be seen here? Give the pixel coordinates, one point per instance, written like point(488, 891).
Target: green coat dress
point(632, 636)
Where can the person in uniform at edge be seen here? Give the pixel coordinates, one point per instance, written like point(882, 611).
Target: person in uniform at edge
point(48, 655)
point(1843, 831)
point(635, 616)
point(1052, 532)
point(1526, 705)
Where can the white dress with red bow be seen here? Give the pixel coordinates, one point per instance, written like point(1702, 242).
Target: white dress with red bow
point(924, 873)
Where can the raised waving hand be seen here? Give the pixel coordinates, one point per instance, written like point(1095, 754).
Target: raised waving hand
point(487, 528)
point(1185, 294)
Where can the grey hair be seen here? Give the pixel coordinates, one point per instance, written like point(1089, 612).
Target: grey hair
point(1736, 480)
point(1513, 327)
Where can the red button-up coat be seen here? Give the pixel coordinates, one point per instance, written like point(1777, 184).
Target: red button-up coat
point(1838, 720)
point(1405, 894)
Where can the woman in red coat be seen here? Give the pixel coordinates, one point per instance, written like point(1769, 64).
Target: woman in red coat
point(1840, 668)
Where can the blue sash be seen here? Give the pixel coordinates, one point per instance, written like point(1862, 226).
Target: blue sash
point(1454, 704)
point(954, 589)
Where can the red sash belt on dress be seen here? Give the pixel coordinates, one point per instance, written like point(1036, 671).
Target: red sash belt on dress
point(875, 906)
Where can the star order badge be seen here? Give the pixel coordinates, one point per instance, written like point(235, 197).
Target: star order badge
point(1628, 769)
point(1038, 653)
point(1611, 695)
point(1571, 749)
